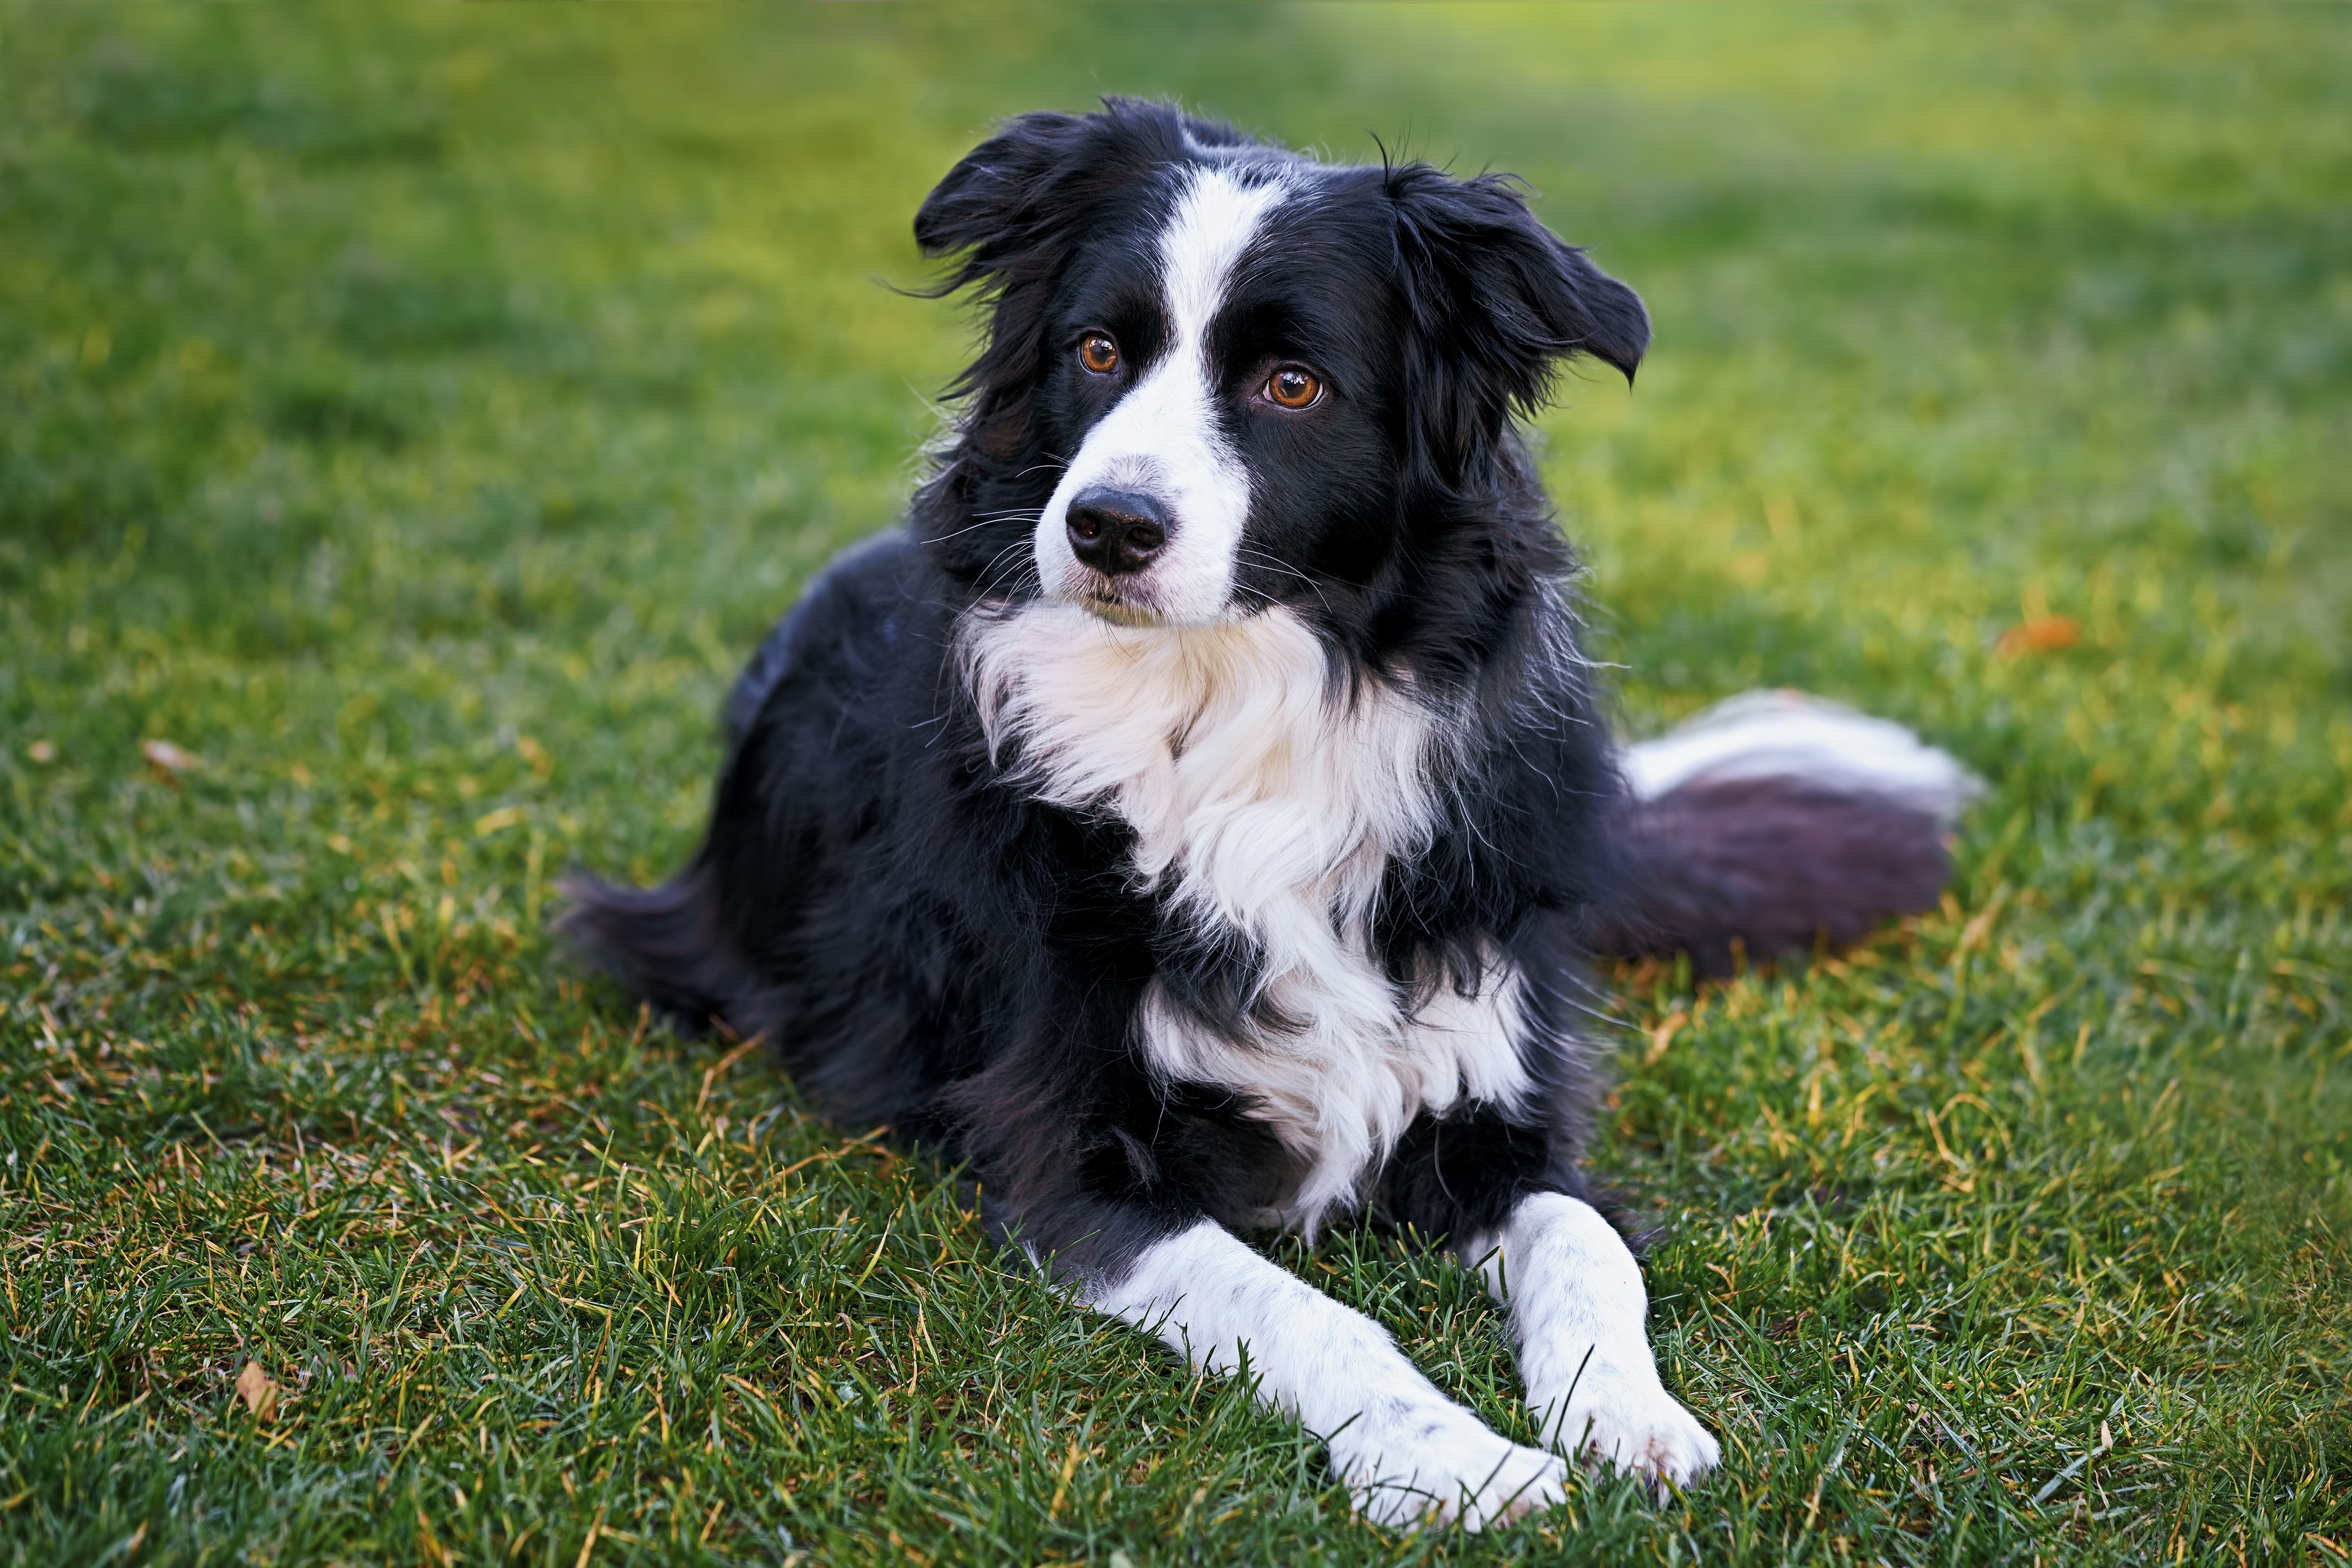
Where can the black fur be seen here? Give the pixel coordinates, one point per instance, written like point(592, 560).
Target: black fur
point(930, 947)
point(1738, 868)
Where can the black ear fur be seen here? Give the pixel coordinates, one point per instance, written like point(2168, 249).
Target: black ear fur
point(999, 197)
point(1497, 301)
point(1011, 211)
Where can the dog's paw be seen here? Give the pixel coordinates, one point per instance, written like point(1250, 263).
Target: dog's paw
point(1445, 1467)
point(1642, 1430)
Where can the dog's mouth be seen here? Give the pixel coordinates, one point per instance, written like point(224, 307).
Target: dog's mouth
point(1124, 604)
point(1125, 599)
point(1109, 604)
point(1132, 598)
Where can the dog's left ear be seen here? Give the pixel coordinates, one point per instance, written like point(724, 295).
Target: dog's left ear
point(1497, 301)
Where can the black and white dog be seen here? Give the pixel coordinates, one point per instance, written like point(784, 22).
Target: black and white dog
point(1197, 818)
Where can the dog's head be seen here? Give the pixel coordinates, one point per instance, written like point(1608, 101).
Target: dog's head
point(1220, 375)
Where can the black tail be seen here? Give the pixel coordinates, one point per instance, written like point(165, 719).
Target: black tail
point(1776, 821)
point(1758, 866)
point(667, 944)
point(674, 945)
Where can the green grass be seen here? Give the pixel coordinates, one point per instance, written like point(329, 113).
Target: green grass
point(414, 415)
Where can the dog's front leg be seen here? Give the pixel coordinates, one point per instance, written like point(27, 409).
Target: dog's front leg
point(1577, 1307)
point(1406, 1452)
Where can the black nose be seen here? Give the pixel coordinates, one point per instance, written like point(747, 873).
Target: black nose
point(1117, 532)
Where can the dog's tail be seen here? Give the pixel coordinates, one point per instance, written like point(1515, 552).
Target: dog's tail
point(1774, 820)
point(667, 944)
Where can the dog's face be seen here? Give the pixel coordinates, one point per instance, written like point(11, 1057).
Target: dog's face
point(1219, 394)
point(1222, 376)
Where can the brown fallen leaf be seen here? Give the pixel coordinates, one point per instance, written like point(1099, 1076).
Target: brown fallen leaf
point(258, 1390)
point(2039, 634)
point(1663, 1035)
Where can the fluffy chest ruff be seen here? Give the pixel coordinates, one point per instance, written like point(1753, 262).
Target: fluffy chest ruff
point(1267, 801)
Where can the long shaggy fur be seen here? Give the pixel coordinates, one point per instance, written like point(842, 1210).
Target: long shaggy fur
point(1251, 883)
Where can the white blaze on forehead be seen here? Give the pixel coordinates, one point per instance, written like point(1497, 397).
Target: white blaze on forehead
point(1214, 222)
point(1163, 438)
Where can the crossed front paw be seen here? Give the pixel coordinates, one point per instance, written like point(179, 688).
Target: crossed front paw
point(1445, 1466)
point(1645, 1431)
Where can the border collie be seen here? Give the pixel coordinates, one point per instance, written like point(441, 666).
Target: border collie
point(1199, 817)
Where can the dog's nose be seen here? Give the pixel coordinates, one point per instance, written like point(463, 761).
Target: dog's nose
point(1117, 532)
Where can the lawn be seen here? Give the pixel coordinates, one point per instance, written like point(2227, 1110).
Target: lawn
point(410, 418)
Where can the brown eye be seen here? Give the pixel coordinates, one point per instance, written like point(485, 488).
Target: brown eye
point(1098, 353)
point(1292, 387)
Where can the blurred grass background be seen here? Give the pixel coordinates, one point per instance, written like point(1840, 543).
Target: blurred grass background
point(409, 417)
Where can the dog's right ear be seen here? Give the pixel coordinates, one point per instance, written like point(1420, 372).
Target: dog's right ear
point(1008, 214)
point(1011, 213)
point(999, 206)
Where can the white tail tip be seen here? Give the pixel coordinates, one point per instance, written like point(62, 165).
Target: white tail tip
point(1787, 734)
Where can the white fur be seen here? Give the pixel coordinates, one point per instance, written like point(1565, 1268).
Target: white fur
point(1162, 438)
point(1265, 800)
point(1786, 734)
point(1405, 1451)
point(1577, 1305)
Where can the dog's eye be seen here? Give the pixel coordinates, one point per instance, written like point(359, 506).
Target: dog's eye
point(1098, 353)
point(1291, 387)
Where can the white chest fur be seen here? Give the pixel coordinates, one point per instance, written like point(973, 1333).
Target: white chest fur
point(1262, 798)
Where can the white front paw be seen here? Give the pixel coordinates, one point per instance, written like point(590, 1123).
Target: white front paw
point(1442, 1465)
point(1636, 1425)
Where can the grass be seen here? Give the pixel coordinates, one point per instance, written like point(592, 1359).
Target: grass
point(411, 417)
